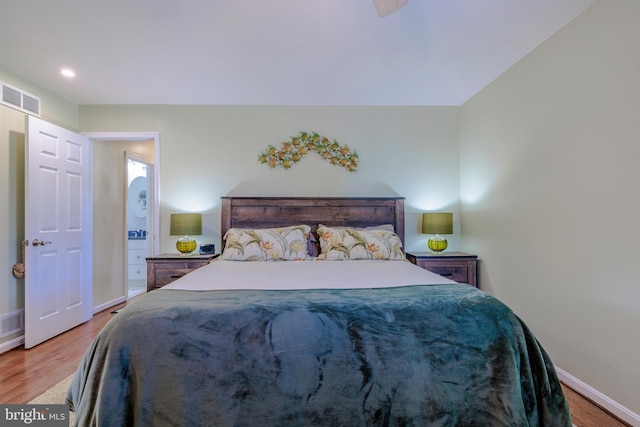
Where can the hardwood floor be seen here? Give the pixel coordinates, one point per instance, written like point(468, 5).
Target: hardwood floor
point(585, 413)
point(28, 373)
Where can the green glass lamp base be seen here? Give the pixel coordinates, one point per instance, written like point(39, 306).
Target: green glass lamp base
point(186, 245)
point(437, 244)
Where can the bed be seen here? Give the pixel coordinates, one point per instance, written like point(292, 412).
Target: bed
point(352, 336)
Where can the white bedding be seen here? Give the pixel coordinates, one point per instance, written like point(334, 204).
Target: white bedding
point(311, 274)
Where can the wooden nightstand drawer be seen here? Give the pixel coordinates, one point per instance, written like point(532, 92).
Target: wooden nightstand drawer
point(457, 266)
point(164, 276)
point(164, 269)
point(455, 273)
point(181, 265)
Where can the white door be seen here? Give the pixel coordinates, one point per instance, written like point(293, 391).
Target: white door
point(58, 226)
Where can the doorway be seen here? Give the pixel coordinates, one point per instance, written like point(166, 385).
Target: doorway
point(110, 213)
point(139, 220)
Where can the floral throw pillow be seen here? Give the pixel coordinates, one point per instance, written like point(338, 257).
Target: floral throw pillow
point(337, 243)
point(267, 244)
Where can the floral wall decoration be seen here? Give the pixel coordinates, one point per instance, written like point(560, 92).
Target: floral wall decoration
point(293, 150)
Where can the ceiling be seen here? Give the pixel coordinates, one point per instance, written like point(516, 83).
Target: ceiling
point(272, 52)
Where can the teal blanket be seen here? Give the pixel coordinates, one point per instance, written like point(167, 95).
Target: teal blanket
point(440, 355)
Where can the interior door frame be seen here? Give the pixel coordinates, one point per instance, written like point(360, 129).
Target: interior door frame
point(150, 220)
point(140, 136)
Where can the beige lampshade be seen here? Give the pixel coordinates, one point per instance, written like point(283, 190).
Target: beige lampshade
point(437, 223)
point(186, 224)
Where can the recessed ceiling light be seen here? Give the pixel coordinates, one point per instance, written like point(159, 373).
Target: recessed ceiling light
point(67, 72)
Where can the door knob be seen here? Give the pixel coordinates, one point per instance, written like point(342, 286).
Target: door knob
point(37, 242)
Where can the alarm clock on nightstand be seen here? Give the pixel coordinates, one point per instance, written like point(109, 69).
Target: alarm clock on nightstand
point(207, 249)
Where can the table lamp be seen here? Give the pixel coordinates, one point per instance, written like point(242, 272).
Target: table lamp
point(186, 224)
point(437, 223)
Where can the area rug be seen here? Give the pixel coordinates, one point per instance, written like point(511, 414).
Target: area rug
point(56, 395)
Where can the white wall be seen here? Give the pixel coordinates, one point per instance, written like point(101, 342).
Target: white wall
point(209, 151)
point(12, 149)
point(550, 156)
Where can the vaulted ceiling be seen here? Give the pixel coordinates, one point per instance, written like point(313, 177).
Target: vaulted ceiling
point(272, 52)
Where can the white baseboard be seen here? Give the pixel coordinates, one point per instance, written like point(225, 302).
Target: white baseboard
point(11, 344)
point(594, 395)
point(109, 304)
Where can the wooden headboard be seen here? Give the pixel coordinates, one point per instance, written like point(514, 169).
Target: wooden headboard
point(270, 212)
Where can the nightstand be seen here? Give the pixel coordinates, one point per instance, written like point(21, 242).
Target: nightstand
point(457, 266)
point(164, 269)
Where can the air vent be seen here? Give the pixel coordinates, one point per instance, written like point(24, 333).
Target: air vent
point(11, 323)
point(19, 99)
